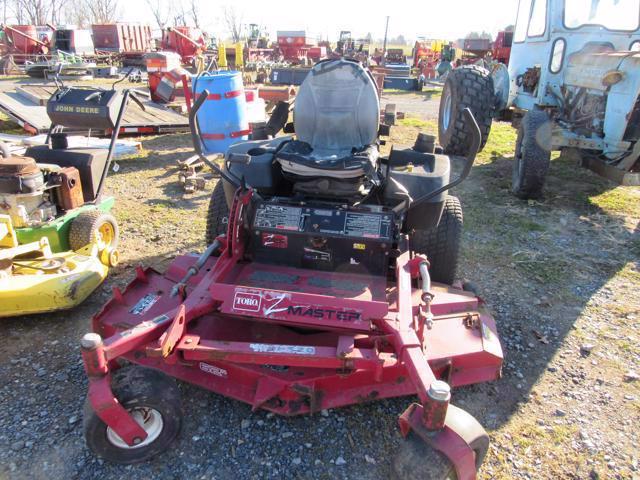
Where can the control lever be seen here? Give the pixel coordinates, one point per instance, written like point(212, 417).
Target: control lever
point(476, 139)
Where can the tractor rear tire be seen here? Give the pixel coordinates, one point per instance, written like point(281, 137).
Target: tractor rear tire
point(532, 156)
point(153, 399)
point(470, 86)
point(94, 226)
point(417, 460)
point(441, 244)
point(218, 213)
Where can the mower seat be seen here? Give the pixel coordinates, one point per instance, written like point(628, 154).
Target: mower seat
point(336, 120)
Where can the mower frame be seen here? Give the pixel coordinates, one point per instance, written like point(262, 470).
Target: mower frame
point(397, 348)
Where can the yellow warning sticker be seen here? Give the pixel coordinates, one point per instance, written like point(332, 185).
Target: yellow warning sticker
point(359, 246)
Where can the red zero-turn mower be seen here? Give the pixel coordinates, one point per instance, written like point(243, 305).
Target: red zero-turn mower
point(318, 294)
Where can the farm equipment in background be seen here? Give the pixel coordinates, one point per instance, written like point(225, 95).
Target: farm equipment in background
point(315, 292)
point(258, 37)
point(57, 237)
point(129, 41)
point(572, 84)
point(73, 41)
point(348, 47)
point(395, 56)
point(293, 46)
point(23, 44)
point(345, 44)
point(501, 47)
point(188, 42)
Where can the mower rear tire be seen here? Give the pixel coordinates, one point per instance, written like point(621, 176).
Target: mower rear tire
point(441, 244)
point(154, 401)
point(532, 156)
point(218, 213)
point(416, 460)
point(94, 226)
point(470, 86)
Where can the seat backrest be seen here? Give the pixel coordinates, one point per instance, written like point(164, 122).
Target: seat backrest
point(337, 107)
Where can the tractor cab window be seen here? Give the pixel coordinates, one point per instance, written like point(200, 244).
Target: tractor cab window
point(520, 33)
point(538, 23)
point(532, 19)
point(611, 14)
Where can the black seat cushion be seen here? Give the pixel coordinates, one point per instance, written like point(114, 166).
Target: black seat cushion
point(299, 159)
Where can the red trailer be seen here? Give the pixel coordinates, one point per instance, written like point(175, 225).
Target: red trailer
point(294, 45)
point(188, 42)
point(477, 46)
point(130, 40)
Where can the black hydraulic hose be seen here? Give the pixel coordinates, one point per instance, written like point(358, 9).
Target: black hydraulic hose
point(195, 268)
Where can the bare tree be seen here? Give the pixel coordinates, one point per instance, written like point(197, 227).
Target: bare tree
point(102, 11)
point(195, 13)
point(35, 12)
point(76, 14)
point(180, 16)
point(57, 8)
point(234, 23)
point(159, 11)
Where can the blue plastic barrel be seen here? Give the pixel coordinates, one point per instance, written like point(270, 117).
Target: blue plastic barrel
point(222, 119)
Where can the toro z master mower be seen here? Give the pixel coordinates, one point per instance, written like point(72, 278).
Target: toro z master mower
point(318, 295)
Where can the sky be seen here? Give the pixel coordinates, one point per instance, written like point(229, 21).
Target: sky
point(446, 19)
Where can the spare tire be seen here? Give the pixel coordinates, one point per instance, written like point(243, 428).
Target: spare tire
point(470, 87)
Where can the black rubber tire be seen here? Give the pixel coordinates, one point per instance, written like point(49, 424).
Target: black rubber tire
point(84, 228)
point(532, 156)
point(418, 461)
point(441, 244)
point(470, 86)
point(136, 386)
point(218, 213)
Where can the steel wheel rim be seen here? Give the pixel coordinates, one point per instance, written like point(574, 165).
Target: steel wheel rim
point(446, 114)
point(149, 419)
point(106, 233)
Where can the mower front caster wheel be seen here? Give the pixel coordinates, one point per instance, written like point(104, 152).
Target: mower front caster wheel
point(153, 400)
point(417, 460)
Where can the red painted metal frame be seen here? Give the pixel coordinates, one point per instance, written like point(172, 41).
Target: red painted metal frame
point(386, 350)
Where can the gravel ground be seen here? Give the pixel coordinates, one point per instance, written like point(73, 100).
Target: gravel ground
point(561, 275)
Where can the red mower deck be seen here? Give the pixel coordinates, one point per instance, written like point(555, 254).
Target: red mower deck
point(295, 341)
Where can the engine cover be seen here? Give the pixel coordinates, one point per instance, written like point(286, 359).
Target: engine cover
point(322, 236)
point(20, 175)
point(22, 192)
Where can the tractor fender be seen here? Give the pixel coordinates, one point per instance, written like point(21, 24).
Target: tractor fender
point(500, 76)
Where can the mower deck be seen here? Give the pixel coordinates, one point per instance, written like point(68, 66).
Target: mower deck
point(240, 352)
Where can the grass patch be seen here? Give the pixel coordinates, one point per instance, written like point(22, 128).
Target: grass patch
point(621, 200)
point(9, 126)
point(429, 125)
